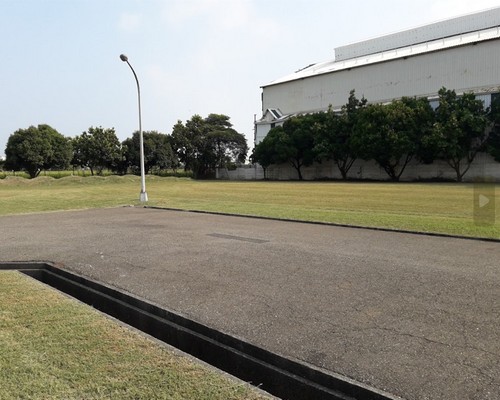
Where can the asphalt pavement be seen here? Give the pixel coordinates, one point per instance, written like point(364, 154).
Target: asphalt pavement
point(416, 316)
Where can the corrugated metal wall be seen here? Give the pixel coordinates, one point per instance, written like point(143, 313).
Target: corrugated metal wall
point(437, 30)
point(472, 67)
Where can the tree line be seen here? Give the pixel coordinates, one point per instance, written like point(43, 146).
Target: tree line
point(199, 145)
point(390, 134)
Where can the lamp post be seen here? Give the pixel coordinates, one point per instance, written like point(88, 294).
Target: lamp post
point(143, 196)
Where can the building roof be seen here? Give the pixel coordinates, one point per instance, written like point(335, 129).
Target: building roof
point(430, 38)
point(421, 34)
point(272, 115)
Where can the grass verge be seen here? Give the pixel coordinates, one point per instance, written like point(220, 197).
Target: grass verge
point(52, 347)
point(426, 207)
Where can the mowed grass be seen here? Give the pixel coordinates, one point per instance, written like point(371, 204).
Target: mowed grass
point(53, 347)
point(427, 207)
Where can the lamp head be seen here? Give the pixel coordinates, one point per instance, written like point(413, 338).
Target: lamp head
point(123, 57)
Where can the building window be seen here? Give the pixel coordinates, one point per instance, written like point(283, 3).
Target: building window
point(434, 103)
point(495, 97)
point(485, 98)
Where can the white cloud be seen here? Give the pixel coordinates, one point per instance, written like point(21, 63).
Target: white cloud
point(219, 14)
point(219, 32)
point(444, 9)
point(130, 22)
point(177, 12)
point(235, 14)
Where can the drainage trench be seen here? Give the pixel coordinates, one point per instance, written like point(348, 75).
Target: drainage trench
point(275, 374)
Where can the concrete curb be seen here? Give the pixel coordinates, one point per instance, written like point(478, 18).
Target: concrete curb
point(280, 376)
point(372, 228)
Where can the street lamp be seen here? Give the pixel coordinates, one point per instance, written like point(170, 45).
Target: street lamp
point(143, 196)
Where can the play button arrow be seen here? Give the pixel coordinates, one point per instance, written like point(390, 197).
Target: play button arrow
point(483, 201)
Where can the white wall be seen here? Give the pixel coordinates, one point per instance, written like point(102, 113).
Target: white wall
point(467, 68)
point(483, 169)
point(247, 173)
point(261, 131)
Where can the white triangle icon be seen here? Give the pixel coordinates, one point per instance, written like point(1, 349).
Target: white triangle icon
point(483, 201)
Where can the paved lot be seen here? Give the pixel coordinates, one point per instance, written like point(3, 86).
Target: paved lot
point(417, 316)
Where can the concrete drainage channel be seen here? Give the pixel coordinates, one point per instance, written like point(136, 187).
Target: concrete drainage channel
point(275, 374)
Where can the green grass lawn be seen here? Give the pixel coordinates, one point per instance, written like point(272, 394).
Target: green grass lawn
point(427, 207)
point(53, 347)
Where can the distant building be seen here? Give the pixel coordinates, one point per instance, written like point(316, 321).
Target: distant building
point(462, 54)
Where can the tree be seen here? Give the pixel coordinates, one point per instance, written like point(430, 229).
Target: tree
point(226, 145)
point(387, 134)
point(291, 143)
point(334, 133)
point(423, 119)
point(296, 144)
point(97, 149)
point(493, 143)
point(459, 132)
point(185, 140)
point(62, 149)
point(37, 148)
point(204, 144)
point(158, 153)
point(263, 153)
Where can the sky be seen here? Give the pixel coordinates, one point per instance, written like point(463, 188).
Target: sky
point(60, 60)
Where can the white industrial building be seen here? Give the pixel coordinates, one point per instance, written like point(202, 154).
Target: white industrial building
point(462, 54)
